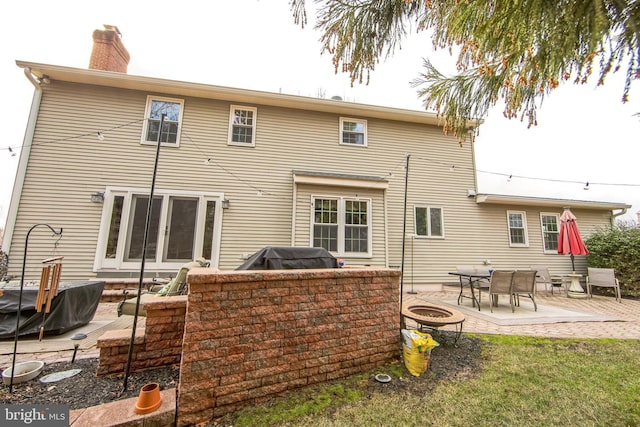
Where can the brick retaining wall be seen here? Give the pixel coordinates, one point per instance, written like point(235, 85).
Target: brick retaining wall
point(159, 343)
point(252, 334)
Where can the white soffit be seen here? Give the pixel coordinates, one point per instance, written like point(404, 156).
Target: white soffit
point(501, 199)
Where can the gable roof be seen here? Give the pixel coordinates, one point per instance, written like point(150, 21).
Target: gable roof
point(200, 90)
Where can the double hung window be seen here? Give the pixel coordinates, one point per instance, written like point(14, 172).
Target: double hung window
point(550, 231)
point(182, 227)
point(172, 109)
point(353, 132)
point(242, 126)
point(517, 222)
point(342, 225)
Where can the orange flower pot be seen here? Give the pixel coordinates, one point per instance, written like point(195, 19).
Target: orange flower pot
point(149, 399)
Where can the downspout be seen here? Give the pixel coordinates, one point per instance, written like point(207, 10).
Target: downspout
point(294, 211)
point(471, 133)
point(18, 183)
point(615, 215)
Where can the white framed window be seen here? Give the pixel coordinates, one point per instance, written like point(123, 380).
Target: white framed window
point(353, 132)
point(242, 126)
point(156, 107)
point(183, 226)
point(550, 223)
point(341, 225)
point(517, 223)
point(429, 221)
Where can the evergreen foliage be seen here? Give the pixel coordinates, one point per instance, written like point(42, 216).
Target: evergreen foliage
point(510, 51)
point(618, 248)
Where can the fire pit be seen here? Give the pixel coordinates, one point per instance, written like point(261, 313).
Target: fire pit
point(433, 316)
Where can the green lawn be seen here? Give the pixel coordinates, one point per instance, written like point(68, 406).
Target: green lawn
point(523, 381)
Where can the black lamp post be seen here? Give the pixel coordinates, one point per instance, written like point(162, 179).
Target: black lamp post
point(144, 253)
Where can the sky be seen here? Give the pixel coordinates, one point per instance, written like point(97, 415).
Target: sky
point(584, 134)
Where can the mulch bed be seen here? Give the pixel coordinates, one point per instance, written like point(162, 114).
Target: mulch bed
point(85, 389)
point(449, 362)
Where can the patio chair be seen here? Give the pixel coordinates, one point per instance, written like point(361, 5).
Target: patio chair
point(177, 286)
point(604, 278)
point(500, 284)
point(524, 284)
point(549, 281)
point(477, 283)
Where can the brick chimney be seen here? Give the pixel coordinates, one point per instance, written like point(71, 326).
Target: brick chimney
point(109, 53)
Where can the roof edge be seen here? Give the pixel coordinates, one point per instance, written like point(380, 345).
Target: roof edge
point(202, 90)
point(505, 199)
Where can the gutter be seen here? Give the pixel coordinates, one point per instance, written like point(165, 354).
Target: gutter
point(25, 152)
point(615, 215)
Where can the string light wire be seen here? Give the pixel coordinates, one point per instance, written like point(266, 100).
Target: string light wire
point(101, 134)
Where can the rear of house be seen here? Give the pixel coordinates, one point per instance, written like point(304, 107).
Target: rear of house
point(239, 170)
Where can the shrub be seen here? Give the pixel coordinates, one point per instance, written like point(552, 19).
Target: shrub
point(618, 248)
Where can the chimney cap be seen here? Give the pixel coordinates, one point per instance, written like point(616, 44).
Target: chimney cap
point(113, 28)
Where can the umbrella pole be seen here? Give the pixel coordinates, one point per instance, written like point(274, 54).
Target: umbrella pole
point(573, 265)
point(575, 289)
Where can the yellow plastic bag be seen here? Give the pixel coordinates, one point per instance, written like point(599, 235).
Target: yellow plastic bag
point(416, 350)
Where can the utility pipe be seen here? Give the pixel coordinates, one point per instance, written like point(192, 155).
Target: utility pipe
point(25, 152)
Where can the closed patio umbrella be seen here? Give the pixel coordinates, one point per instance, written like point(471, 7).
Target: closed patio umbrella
point(569, 239)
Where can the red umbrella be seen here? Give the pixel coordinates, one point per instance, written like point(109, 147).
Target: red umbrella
point(569, 240)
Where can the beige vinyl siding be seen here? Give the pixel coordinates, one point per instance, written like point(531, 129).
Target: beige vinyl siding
point(68, 163)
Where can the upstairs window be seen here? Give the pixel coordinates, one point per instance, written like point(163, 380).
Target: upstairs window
point(517, 222)
point(353, 132)
point(429, 221)
point(550, 231)
point(242, 126)
point(156, 107)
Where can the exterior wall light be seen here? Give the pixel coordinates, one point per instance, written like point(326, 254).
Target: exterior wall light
point(226, 203)
point(97, 197)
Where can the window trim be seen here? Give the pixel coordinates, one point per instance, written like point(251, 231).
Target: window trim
point(119, 263)
point(147, 112)
point(415, 222)
point(254, 127)
point(524, 226)
point(364, 133)
point(557, 216)
point(341, 224)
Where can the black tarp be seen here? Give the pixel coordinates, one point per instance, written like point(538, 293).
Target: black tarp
point(287, 258)
point(74, 306)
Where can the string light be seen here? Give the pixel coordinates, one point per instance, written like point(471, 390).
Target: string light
point(82, 135)
point(209, 161)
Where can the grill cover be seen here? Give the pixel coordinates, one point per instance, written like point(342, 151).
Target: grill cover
point(288, 258)
point(74, 306)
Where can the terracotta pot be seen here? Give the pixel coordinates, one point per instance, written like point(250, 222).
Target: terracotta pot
point(149, 399)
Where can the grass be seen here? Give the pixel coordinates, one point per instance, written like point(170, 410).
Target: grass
point(525, 381)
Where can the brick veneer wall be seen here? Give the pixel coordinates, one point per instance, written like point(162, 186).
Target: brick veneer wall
point(252, 334)
point(158, 344)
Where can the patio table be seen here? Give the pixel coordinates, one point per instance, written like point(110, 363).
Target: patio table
point(473, 281)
